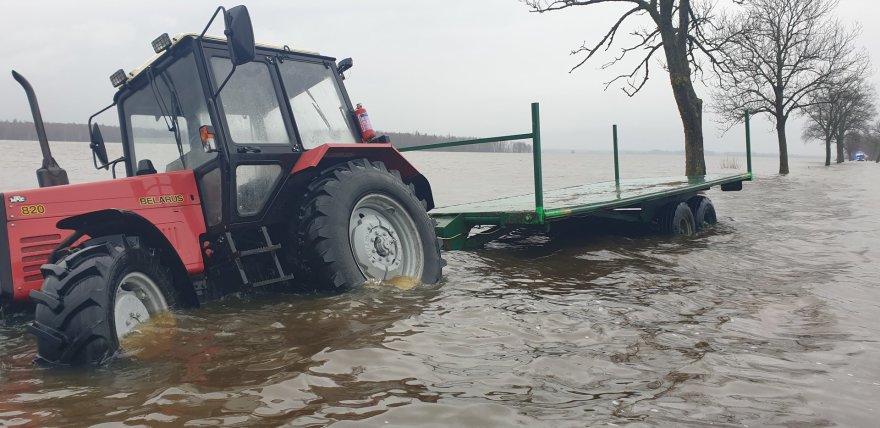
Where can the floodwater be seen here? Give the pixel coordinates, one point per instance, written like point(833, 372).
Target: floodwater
point(772, 318)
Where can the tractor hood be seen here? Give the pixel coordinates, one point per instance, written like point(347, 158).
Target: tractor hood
point(30, 230)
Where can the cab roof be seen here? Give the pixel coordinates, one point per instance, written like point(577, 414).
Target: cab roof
point(182, 36)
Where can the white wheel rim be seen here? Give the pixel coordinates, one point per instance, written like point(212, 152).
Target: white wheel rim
point(384, 239)
point(138, 299)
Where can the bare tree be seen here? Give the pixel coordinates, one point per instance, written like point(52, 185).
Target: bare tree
point(874, 139)
point(856, 111)
point(679, 28)
point(842, 106)
point(780, 52)
point(822, 119)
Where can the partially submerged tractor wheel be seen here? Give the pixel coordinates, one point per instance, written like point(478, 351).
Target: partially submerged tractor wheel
point(704, 212)
point(676, 219)
point(359, 223)
point(96, 296)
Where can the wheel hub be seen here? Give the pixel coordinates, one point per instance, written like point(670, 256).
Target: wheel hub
point(130, 312)
point(384, 240)
point(379, 243)
point(384, 245)
point(138, 299)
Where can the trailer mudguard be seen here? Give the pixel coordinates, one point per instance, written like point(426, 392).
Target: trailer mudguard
point(328, 154)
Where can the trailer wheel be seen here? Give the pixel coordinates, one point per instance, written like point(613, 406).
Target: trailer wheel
point(704, 212)
point(676, 219)
point(360, 222)
point(96, 296)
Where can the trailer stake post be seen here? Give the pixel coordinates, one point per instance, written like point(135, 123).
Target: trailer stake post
point(536, 158)
point(748, 145)
point(616, 158)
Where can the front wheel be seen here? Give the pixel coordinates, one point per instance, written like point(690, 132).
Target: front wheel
point(360, 222)
point(97, 296)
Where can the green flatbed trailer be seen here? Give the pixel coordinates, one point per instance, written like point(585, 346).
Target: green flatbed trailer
point(633, 200)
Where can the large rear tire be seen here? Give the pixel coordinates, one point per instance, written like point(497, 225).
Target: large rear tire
point(96, 296)
point(360, 222)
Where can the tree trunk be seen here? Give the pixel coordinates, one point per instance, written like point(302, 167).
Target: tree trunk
point(840, 142)
point(783, 144)
point(827, 151)
point(690, 108)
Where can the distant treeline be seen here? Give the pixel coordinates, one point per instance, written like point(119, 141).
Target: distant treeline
point(18, 130)
point(408, 139)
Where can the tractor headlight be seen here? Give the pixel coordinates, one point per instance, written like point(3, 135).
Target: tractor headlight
point(161, 43)
point(118, 78)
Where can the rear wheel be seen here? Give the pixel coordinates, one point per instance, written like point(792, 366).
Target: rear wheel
point(676, 219)
point(97, 296)
point(704, 212)
point(360, 222)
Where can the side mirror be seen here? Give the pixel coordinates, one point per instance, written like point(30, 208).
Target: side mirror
point(344, 65)
point(239, 35)
point(97, 145)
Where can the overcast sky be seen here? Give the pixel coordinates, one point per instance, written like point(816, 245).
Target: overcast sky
point(460, 67)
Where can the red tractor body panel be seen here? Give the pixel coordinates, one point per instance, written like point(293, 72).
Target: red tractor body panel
point(170, 201)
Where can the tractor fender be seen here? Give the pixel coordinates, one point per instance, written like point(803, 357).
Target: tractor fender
point(329, 154)
point(111, 222)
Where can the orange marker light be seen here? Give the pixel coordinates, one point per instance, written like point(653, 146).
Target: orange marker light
point(207, 135)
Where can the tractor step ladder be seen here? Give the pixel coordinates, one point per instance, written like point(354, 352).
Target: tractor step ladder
point(270, 248)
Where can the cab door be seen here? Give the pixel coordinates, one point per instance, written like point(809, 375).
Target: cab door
point(260, 141)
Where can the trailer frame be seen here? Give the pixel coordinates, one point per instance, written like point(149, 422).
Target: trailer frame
point(630, 200)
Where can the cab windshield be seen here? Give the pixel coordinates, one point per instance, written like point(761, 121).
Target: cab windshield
point(162, 118)
point(320, 113)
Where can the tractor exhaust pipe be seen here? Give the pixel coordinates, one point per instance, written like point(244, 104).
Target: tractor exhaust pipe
point(50, 174)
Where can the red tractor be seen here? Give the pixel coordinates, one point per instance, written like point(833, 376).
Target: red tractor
point(245, 166)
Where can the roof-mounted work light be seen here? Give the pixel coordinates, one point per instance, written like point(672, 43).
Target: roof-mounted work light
point(161, 43)
point(118, 78)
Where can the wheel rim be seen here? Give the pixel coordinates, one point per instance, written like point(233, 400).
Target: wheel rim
point(384, 239)
point(138, 299)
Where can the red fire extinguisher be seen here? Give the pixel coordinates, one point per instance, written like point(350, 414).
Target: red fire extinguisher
point(367, 132)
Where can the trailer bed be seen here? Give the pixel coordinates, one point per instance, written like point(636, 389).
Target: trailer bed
point(455, 221)
point(636, 200)
point(575, 200)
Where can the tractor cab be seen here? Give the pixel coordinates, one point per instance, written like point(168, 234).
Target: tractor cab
point(238, 127)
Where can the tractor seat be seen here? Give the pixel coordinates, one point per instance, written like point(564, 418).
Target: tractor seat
point(145, 167)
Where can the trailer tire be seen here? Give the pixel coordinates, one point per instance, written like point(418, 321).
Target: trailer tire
point(359, 222)
point(676, 219)
point(79, 304)
point(704, 212)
